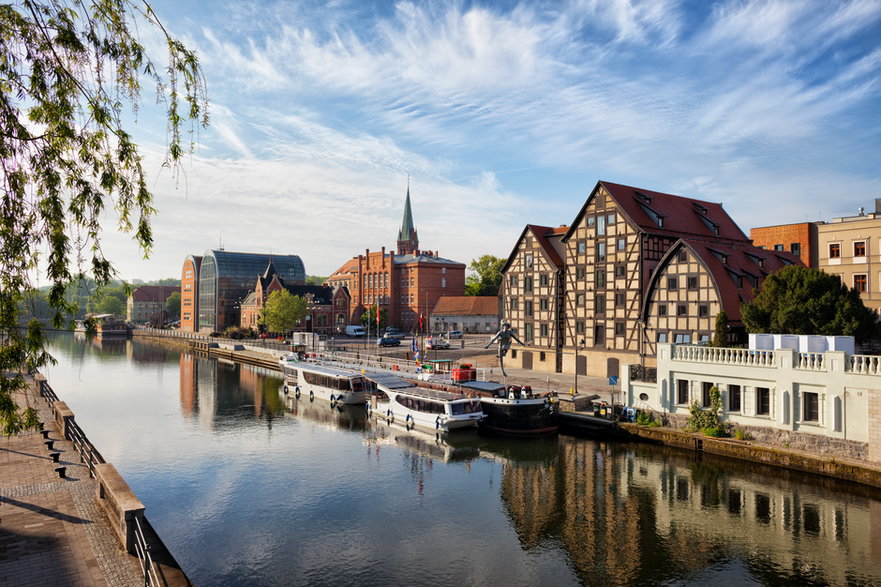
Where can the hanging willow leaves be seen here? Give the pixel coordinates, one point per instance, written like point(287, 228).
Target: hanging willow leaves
point(70, 71)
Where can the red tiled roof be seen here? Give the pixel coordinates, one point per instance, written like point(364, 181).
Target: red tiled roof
point(467, 306)
point(686, 217)
point(154, 293)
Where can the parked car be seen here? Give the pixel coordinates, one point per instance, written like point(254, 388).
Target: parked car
point(352, 330)
point(454, 334)
point(388, 341)
point(393, 332)
point(438, 343)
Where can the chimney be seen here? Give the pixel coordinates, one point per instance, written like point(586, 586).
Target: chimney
point(877, 205)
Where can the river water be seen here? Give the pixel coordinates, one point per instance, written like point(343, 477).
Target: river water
point(247, 487)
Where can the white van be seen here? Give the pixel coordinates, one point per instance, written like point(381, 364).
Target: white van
point(355, 331)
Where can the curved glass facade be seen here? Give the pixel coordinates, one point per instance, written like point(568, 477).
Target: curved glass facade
point(226, 278)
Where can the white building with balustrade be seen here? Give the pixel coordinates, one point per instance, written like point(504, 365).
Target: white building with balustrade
point(827, 402)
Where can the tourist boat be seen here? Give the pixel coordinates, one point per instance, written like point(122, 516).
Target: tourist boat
point(514, 410)
point(413, 405)
point(309, 380)
point(105, 325)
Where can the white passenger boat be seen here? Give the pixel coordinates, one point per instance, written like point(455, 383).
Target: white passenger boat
point(429, 408)
point(311, 381)
point(288, 359)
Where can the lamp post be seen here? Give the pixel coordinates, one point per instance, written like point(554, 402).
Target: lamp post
point(578, 347)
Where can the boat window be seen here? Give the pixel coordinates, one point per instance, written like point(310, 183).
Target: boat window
point(469, 407)
point(291, 375)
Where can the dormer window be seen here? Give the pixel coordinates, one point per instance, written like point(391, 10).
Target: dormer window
point(656, 217)
point(642, 196)
point(712, 226)
point(699, 208)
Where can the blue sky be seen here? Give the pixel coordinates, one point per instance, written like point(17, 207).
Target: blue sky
point(508, 113)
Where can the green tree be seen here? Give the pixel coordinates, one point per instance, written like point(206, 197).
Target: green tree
point(69, 70)
point(282, 310)
point(707, 422)
point(110, 299)
point(369, 318)
point(315, 280)
point(486, 277)
point(720, 337)
point(172, 305)
point(801, 300)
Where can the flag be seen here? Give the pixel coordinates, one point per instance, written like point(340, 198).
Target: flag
point(420, 321)
point(378, 311)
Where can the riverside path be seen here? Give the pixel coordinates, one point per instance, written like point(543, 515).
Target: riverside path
point(52, 530)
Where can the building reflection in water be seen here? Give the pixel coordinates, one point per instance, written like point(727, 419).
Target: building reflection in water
point(630, 514)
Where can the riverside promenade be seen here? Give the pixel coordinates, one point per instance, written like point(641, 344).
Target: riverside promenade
point(53, 530)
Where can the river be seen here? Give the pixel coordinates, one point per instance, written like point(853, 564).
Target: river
point(249, 487)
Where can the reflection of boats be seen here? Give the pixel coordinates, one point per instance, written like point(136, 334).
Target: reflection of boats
point(349, 417)
point(337, 385)
point(420, 406)
point(445, 448)
point(515, 410)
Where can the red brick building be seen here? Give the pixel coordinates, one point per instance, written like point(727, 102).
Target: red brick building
point(405, 285)
point(799, 239)
point(189, 293)
point(147, 303)
point(319, 299)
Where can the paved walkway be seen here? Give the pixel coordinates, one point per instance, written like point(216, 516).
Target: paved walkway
point(53, 531)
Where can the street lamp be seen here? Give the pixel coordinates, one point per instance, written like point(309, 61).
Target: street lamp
point(578, 347)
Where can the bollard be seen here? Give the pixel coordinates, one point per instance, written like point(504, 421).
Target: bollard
point(50, 444)
point(62, 471)
point(45, 433)
point(55, 456)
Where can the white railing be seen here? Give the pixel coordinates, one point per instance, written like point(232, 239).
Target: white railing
point(148, 567)
point(865, 364)
point(811, 361)
point(722, 355)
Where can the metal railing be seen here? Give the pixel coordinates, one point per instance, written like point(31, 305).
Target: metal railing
point(87, 451)
point(148, 567)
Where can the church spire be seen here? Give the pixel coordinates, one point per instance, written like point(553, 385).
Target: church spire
point(408, 240)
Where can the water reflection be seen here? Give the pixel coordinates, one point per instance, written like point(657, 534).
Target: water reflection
point(240, 479)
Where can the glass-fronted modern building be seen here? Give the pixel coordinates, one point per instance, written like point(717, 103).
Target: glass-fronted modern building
point(226, 277)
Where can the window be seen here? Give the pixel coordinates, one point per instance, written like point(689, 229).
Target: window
point(529, 260)
point(763, 401)
point(443, 282)
point(513, 281)
point(811, 407)
point(543, 304)
point(682, 391)
point(579, 299)
point(601, 225)
point(579, 327)
point(662, 309)
point(541, 355)
point(703, 311)
point(543, 280)
point(682, 337)
point(662, 337)
point(527, 284)
point(544, 329)
point(591, 221)
point(582, 248)
point(579, 273)
point(706, 386)
point(619, 328)
point(733, 398)
point(527, 307)
point(620, 298)
point(513, 304)
point(620, 271)
point(672, 283)
point(778, 247)
point(601, 251)
point(691, 282)
point(795, 249)
point(610, 218)
point(861, 282)
point(683, 256)
point(527, 332)
point(443, 270)
point(681, 310)
point(600, 304)
point(859, 249)
point(835, 251)
point(599, 335)
point(621, 244)
point(601, 278)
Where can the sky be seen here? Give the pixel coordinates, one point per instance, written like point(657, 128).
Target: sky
point(502, 114)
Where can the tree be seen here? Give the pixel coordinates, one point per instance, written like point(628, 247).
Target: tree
point(315, 280)
point(368, 318)
point(486, 277)
point(69, 70)
point(801, 300)
point(720, 337)
point(172, 305)
point(282, 310)
point(110, 300)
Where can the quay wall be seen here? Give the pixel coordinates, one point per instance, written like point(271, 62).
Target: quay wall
point(745, 450)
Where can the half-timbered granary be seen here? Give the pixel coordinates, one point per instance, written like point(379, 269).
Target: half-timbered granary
point(588, 296)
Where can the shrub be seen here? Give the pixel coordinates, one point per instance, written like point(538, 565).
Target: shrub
point(707, 422)
point(644, 418)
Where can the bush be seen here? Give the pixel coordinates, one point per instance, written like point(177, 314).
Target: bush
point(237, 333)
point(707, 422)
point(646, 419)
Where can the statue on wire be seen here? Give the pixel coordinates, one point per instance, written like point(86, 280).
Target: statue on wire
point(504, 337)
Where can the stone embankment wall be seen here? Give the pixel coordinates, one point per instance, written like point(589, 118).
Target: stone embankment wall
point(839, 467)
